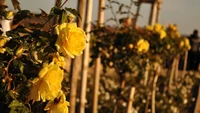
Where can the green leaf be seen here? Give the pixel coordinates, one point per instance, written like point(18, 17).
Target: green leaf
point(18, 107)
point(16, 4)
point(74, 12)
point(63, 17)
point(43, 13)
point(15, 104)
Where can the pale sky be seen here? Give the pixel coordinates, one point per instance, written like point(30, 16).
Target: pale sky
point(184, 13)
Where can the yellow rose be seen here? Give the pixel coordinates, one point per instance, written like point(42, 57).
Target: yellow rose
point(58, 105)
point(142, 46)
point(173, 27)
point(163, 34)
point(181, 44)
point(177, 34)
point(48, 83)
point(158, 27)
point(187, 43)
point(71, 39)
point(149, 28)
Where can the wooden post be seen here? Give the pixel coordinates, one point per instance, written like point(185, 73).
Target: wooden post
point(153, 13)
point(171, 76)
point(130, 102)
point(153, 104)
point(85, 61)
point(76, 62)
point(185, 63)
point(98, 61)
point(158, 13)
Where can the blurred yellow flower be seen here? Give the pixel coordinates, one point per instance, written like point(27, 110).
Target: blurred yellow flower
point(58, 105)
point(162, 33)
point(3, 41)
point(2, 50)
point(168, 46)
point(158, 27)
point(130, 46)
point(181, 44)
point(187, 43)
point(142, 46)
point(177, 34)
point(172, 27)
point(48, 83)
point(149, 28)
point(9, 15)
point(71, 39)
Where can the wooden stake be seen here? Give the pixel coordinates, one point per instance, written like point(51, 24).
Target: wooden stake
point(177, 59)
point(98, 61)
point(96, 85)
point(185, 63)
point(85, 61)
point(153, 106)
point(130, 102)
point(171, 76)
point(76, 62)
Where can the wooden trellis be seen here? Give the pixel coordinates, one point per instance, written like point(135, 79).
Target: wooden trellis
point(155, 10)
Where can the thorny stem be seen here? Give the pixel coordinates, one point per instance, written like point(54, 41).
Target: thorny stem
point(7, 74)
point(64, 3)
point(113, 13)
point(54, 15)
point(153, 105)
point(7, 67)
point(129, 9)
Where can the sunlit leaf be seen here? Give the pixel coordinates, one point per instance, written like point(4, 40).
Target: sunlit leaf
point(16, 4)
point(74, 12)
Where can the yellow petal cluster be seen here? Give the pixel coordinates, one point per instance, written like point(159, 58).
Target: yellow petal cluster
point(162, 33)
point(157, 28)
point(58, 105)
point(48, 83)
point(60, 60)
point(71, 40)
point(142, 46)
point(173, 31)
point(9, 15)
point(172, 27)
